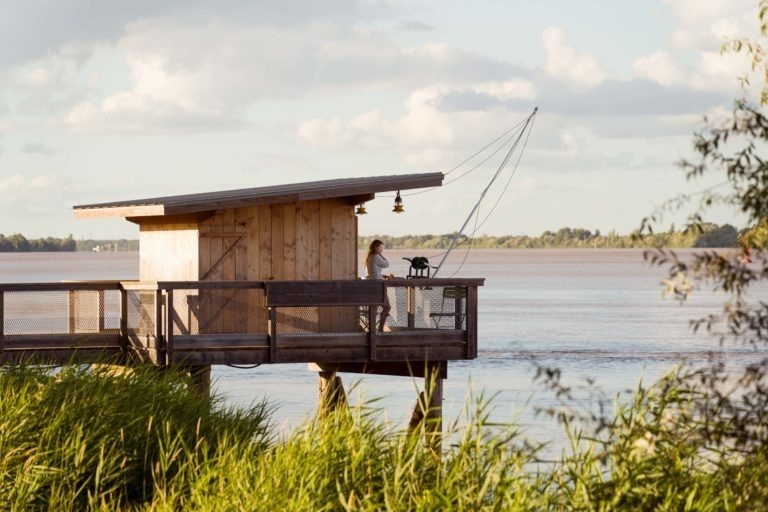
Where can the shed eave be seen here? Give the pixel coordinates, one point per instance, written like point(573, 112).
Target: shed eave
point(122, 211)
point(212, 201)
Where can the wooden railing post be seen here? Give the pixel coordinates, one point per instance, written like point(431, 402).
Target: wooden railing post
point(169, 325)
point(100, 312)
point(159, 344)
point(411, 294)
point(458, 303)
point(471, 336)
point(72, 306)
point(372, 332)
point(272, 333)
point(124, 321)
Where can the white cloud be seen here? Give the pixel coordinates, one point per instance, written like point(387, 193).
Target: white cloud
point(426, 136)
point(136, 113)
point(208, 74)
point(20, 185)
point(659, 67)
point(580, 70)
point(508, 90)
point(37, 148)
point(704, 24)
point(422, 129)
point(716, 71)
point(527, 184)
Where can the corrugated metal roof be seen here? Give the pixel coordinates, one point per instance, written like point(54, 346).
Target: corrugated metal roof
point(208, 201)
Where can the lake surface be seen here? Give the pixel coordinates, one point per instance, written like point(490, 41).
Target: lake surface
point(595, 314)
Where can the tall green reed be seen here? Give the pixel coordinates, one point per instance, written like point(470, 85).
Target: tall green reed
point(80, 437)
point(88, 440)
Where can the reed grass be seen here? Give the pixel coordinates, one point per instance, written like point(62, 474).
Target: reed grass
point(86, 440)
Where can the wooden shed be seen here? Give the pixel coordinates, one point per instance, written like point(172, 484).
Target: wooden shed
point(302, 231)
point(295, 232)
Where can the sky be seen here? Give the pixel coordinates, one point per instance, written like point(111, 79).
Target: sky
point(109, 100)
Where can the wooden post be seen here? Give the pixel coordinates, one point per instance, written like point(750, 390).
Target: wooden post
point(200, 380)
point(372, 332)
point(72, 310)
point(429, 407)
point(272, 333)
point(100, 313)
point(330, 393)
point(433, 386)
point(159, 345)
point(411, 306)
point(169, 311)
point(124, 322)
point(457, 306)
point(471, 336)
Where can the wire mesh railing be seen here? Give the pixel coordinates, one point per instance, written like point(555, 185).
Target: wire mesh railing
point(145, 316)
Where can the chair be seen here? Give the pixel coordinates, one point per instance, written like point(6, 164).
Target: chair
point(457, 294)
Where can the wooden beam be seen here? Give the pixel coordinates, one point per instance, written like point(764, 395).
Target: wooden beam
point(362, 198)
point(219, 341)
point(32, 342)
point(171, 219)
point(122, 211)
point(395, 368)
point(62, 286)
point(325, 293)
point(244, 356)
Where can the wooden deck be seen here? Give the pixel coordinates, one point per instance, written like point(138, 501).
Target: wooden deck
point(239, 322)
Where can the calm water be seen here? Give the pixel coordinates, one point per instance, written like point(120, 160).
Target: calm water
point(591, 313)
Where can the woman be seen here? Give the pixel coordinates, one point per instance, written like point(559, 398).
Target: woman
point(374, 263)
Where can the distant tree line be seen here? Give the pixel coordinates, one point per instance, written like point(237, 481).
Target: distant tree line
point(108, 245)
point(19, 243)
point(711, 235)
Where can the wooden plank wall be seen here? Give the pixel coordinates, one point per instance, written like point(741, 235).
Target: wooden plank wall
point(168, 250)
point(223, 249)
point(291, 241)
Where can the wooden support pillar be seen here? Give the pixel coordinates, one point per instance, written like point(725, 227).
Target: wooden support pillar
point(330, 393)
point(200, 380)
point(429, 408)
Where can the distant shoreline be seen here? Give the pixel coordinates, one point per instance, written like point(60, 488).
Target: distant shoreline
point(712, 236)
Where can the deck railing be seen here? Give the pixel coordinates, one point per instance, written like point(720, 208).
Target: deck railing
point(233, 322)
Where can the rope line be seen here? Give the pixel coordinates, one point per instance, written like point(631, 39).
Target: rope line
point(470, 237)
point(512, 130)
point(505, 161)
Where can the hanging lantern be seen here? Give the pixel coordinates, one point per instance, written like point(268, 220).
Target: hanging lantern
point(360, 210)
point(398, 204)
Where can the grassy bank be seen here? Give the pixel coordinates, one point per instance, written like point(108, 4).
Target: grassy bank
point(88, 440)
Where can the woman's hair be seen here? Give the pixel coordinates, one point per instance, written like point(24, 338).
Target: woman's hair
point(372, 249)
